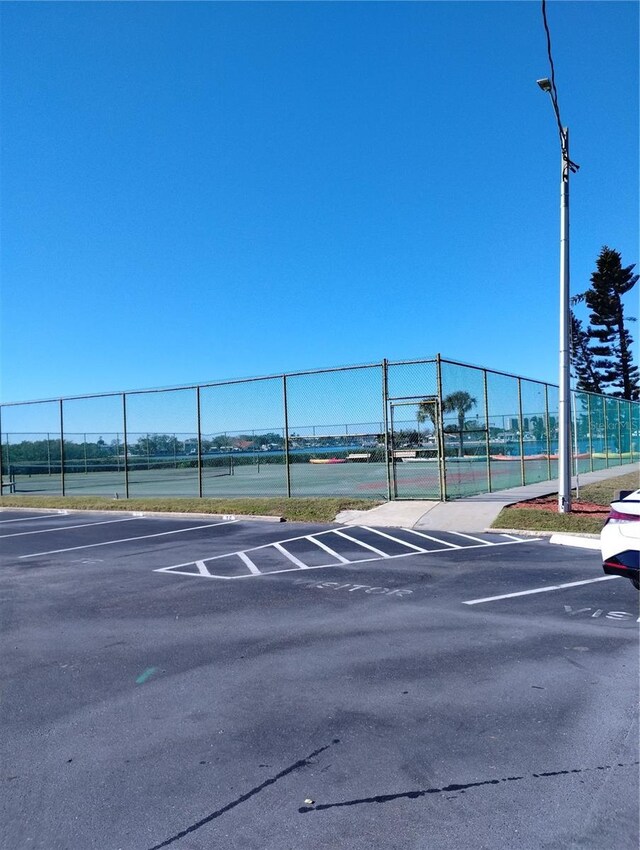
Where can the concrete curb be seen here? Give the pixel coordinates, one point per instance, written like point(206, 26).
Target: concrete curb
point(520, 531)
point(4, 507)
point(229, 517)
point(578, 540)
point(173, 514)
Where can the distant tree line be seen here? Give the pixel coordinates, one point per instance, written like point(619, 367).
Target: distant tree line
point(78, 448)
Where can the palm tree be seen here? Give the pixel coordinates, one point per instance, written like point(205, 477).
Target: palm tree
point(461, 402)
point(427, 411)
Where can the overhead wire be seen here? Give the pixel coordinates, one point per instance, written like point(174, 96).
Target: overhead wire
point(554, 94)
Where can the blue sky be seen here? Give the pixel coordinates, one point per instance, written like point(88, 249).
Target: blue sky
point(197, 191)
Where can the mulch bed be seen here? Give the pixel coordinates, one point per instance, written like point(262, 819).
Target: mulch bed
point(550, 503)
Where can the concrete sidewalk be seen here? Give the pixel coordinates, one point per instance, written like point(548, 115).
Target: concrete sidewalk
point(476, 513)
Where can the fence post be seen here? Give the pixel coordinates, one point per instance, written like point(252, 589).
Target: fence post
point(286, 435)
point(61, 450)
point(385, 417)
point(520, 431)
point(199, 443)
point(606, 436)
point(547, 425)
point(590, 432)
point(486, 422)
point(85, 453)
point(442, 462)
point(619, 433)
point(573, 436)
point(573, 396)
point(126, 446)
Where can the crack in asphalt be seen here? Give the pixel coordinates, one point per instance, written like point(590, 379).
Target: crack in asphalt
point(304, 762)
point(455, 786)
point(380, 798)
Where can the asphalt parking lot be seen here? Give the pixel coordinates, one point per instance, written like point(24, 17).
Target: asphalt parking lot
point(196, 684)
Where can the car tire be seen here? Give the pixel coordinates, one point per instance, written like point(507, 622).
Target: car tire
point(636, 583)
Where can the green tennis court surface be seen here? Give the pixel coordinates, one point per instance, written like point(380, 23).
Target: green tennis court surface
point(364, 480)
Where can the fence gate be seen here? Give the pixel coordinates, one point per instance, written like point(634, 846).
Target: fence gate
point(416, 448)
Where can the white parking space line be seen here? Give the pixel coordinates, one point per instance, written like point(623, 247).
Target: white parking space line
point(511, 537)
point(471, 537)
point(538, 590)
point(291, 557)
point(328, 550)
point(68, 527)
point(396, 539)
point(201, 568)
point(435, 539)
point(246, 560)
point(365, 545)
point(29, 518)
point(129, 539)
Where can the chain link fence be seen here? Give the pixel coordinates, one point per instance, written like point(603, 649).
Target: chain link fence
point(420, 429)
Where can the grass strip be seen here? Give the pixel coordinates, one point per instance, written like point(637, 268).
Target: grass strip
point(300, 510)
point(529, 519)
point(599, 493)
point(605, 492)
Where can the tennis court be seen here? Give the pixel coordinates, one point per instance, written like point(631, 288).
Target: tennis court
point(425, 429)
point(417, 480)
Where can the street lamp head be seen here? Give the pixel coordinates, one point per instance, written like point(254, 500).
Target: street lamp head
point(544, 84)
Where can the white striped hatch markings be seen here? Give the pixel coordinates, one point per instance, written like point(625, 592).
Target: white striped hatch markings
point(206, 566)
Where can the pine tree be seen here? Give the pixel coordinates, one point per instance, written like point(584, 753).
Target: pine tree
point(582, 359)
point(612, 340)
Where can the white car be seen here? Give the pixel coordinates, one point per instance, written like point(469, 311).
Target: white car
point(620, 539)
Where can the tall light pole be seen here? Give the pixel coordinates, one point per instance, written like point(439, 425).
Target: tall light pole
point(564, 394)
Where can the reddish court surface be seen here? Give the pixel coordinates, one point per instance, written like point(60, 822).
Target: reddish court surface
point(504, 474)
